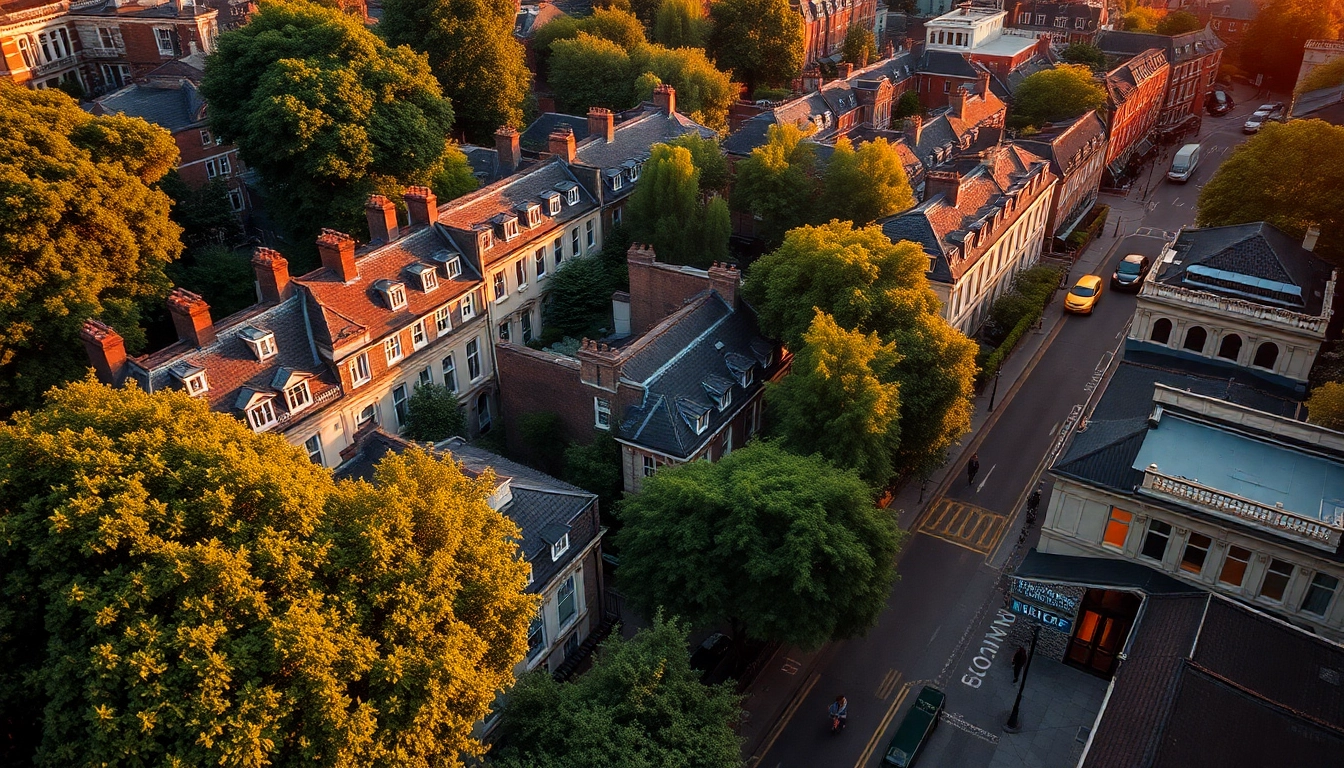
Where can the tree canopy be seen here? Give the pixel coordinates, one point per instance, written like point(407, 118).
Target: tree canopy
point(1326, 405)
point(666, 210)
point(1141, 19)
point(866, 184)
point(1290, 175)
point(84, 232)
point(680, 24)
point(1051, 95)
point(1280, 32)
point(433, 413)
point(709, 161)
point(473, 54)
point(1178, 23)
point(325, 112)
point(640, 705)
point(783, 547)
point(589, 71)
point(1327, 75)
point(1084, 53)
point(180, 590)
point(776, 182)
point(759, 41)
point(868, 284)
point(859, 47)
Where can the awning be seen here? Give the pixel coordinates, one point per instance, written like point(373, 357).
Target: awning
point(1064, 229)
point(1100, 572)
point(1144, 147)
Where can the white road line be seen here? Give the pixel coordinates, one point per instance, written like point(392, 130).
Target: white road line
point(981, 486)
point(1052, 429)
point(935, 634)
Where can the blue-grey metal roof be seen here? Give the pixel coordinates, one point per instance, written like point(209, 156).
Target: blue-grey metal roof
point(1256, 261)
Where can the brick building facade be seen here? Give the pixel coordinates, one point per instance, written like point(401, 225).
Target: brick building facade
point(1193, 58)
point(1077, 155)
point(1135, 91)
point(1063, 21)
point(825, 23)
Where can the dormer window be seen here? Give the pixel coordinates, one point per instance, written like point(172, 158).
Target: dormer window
point(559, 548)
point(631, 170)
point(484, 240)
point(530, 213)
point(552, 203)
point(614, 176)
point(509, 224)
point(695, 414)
point(393, 293)
point(701, 423)
point(299, 396)
point(725, 400)
point(453, 267)
point(745, 378)
point(262, 343)
point(259, 407)
point(720, 390)
point(427, 276)
point(192, 378)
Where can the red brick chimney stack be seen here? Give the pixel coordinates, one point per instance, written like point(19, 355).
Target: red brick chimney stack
point(191, 317)
point(272, 271)
point(844, 70)
point(665, 99)
point(106, 351)
point(561, 143)
point(601, 122)
point(725, 279)
point(382, 215)
point(422, 207)
point(914, 128)
point(507, 147)
point(948, 183)
point(984, 85)
point(599, 364)
point(957, 100)
point(338, 254)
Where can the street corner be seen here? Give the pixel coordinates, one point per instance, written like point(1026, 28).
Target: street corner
point(981, 688)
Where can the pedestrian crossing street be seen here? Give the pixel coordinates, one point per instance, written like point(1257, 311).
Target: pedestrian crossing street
point(966, 525)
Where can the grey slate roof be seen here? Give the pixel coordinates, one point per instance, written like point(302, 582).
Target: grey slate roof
point(1257, 250)
point(1067, 141)
point(1100, 572)
point(171, 107)
point(1326, 104)
point(1179, 48)
point(678, 381)
point(535, 136)
point(544, 508)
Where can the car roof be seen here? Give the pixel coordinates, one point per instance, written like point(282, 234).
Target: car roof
point(1088, 280)
point(1137, 258)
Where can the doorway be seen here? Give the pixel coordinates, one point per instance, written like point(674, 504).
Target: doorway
point(1104, 621)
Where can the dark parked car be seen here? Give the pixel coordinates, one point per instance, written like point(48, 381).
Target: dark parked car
point(706, 658)
point(1129, 275)
point(914, 730)
point(1219, 103)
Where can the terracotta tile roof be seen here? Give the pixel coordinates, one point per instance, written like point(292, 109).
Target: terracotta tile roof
point(231, 366)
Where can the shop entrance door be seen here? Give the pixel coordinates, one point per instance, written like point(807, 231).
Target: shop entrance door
point(1103, 625)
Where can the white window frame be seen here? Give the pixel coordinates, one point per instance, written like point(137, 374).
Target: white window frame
point(429, 280)
point(520, 273)
point(568, 590)
point(443, 320)
point(572, 196)
point(539, 263)
point(453, 267)
point(746, 377)
point(650, 465)
point(468, 307)
point(510, 228)
point(525, 326)
point(236, 200)
point(574, 241)
point(367, 414)
point(262, 416)
point(728, 440)
point(426, 377)
point(590, 234)
point(449, 369)
point(601, 413)
point(702, 423)
point(396, 296)
point(726, 399)
point(500, 286)
point(313, 446)
point(419, 336)
point(206, 138)
point(197, 384)
point(360, 373)
point(559, 548)
point(392, 349)
point(164, 36)
point(538, 624)
point(298, 397)
point(474, 360)
point(503, 331)
point(400, 410)
point(558, 250)
point(553, 205)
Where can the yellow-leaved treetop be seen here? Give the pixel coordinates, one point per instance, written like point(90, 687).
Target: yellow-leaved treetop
point(180, 591)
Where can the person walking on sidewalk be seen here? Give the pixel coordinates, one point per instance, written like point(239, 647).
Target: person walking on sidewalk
point(1019, 661)
point(1033, 503)
point(972, 467)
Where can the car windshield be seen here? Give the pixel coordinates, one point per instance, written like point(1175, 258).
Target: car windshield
point(1129, 268)
point(1082, 290)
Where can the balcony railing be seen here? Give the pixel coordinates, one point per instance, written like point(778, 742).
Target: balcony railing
point(81, 5)
point(105, 53)
point(1308, 530)
point(1282, 317)
point(55, 65)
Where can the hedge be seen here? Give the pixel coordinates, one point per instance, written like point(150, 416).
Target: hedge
point(991, 362)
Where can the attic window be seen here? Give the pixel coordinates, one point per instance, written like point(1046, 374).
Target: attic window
point(393, 293)
point(262, 415)
point(695, 414)
point(192, 378)
point(552, 203)
point(530, 212)
point(559, 548)
point(429, 278)
point(745, 378)
point(262, 343)
point(631, 170)
point(484, 240)
point(510, 227)
point(701, 423)
point(720, 390)
point(299, 396)
point(572, 196)
point(725, 399)
point(614, 176)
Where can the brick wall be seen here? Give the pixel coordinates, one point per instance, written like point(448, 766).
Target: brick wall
point(658, 290)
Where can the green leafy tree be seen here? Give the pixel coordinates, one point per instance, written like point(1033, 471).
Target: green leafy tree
point(1290, 175)
point(84, 232)
point(325, 112)
point(759, 41)
point(473, 54)
point(782, 547)
point(589, 71)
point(1280, 32)
point(1084, 53)
point(839, 399)
point(543, 437)
point(703, 92)
point(709, 161)
point(1064, 92)
point(776, 182)
point(866, 184)
point(665, 210)
point(453, 177)
point(180, 590)
point(1141, 19)
point(620, 27)
point(871, 285)
point(909, 106)
point(680, 24)
point(204, 214)
point(1325, 407)
point(1328, 75)
point(859, 47)
point(640, 705)
point(1178, 23)
point(578, 298)
point(222, 275)
point(645, 10)
point(715, 231)
point(433, 413)
point(596, 468)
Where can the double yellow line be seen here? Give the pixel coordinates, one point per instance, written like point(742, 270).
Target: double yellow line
point(785, 718)
point(882, 728)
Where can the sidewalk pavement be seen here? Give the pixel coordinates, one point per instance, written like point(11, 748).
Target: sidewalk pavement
point(786, 678)
point(1059, 707)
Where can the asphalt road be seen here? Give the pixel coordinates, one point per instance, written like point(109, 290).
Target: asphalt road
point(951, 564)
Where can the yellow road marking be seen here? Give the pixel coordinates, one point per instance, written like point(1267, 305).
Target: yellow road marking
point(882, 727)
point(966, 525)
point(788, 715)
point(889, 683)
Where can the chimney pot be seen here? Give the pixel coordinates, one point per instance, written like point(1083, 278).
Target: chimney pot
point(191, 317)
point(601, 122)
point(338, 254)
point(507, 147)
point(561, 143)
point(272, 271)
point(844, 70)
point(1309, 241)
point(382, 215)
point(914, 128)
point(665, 98)
point(106, 350)
point(422, 207)
point(725, 279)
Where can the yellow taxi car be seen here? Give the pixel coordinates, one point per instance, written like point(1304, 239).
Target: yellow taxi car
point(1082, 297)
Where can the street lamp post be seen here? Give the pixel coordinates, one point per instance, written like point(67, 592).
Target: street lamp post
point(995, 391)
point(1014, 725)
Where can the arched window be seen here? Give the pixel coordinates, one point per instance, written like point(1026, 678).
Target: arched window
point(483, 418)
point(1267, 355)
point(1195, 338)
point(1161, 333)
point(1230, 347)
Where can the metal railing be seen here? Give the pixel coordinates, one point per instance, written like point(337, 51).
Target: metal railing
point(105, 53)
point(1302, 527)
point(1283, 317)
point(56, 64)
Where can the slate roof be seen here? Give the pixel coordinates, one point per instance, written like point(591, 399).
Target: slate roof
point(1260, 251)
point(543, 507)
point(535, 136)
point(533, 16)
point(1208, 681)
point(1179, 48)
point(632, 142)
point(1125, 78)
point(1065, 145)
point(231, 366)
point(1241, 10)
point(699, 344)
point(1071, 10)
point(174, 108)
point(1319, 104)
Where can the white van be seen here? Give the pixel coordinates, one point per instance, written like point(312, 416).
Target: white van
point(1184, 163)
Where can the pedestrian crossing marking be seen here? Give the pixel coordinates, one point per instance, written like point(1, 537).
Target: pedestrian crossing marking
point(966, 525)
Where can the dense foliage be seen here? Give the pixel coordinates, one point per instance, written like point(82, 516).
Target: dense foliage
point(179, 590)
point(83, 231)
point(1290, 175)
point(1084, 53)
point(680, 24)
point(433, 413)
point(1326, 405)
point(759, 41)
point(864, 185)
point(776, 182)
point(666, 210)
point(1178, 23)
point(641, 705)
point(782, 547)
point(1280, 32)
point(325, 113)
point(1052, 95)
point(1327, 75)
point(859, 47)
